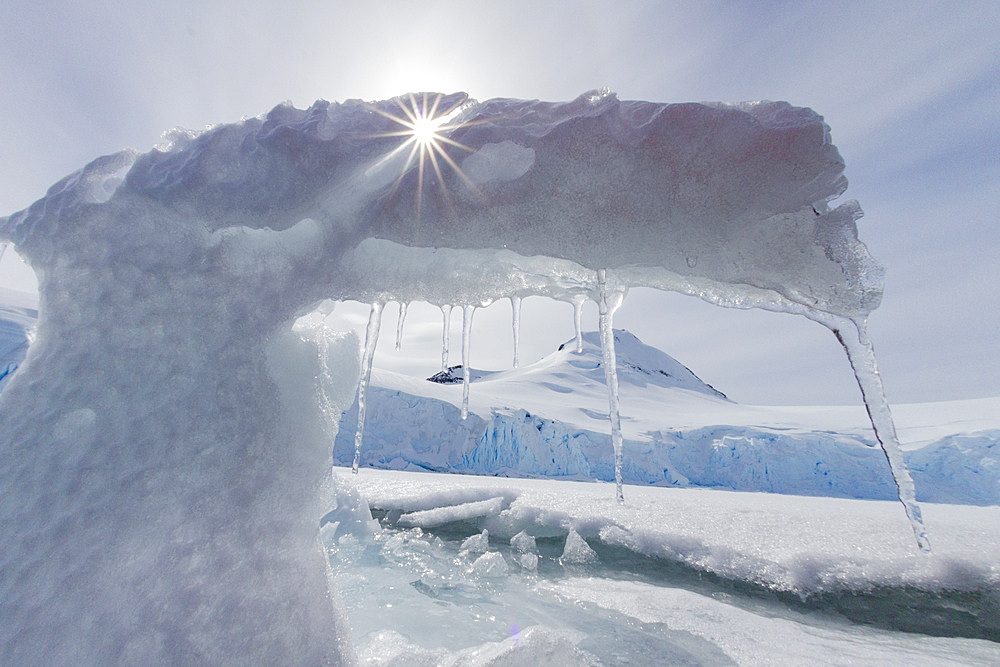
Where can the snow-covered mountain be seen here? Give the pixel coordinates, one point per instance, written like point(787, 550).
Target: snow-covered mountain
point(549, 419)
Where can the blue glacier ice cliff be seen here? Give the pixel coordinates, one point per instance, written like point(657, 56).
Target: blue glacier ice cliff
point(412, 429)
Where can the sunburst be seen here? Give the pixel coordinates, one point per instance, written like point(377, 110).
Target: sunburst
point(424, 126)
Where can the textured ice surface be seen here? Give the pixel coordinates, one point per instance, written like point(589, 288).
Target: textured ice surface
point(166, 409)
point(678, 576)
point(577, 551)
point(798, 544)
point(728, 197)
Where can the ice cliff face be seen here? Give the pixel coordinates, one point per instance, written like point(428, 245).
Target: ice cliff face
point(516, 431)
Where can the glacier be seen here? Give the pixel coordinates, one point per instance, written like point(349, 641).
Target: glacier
point(166, 409)
point(544, 420)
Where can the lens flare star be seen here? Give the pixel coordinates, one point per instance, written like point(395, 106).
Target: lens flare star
point(423, 125)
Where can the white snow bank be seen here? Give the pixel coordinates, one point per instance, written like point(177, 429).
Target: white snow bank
point(451, 513)
point(788, 543)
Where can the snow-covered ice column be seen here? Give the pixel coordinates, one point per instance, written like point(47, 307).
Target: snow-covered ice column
point(163, 451)
point(163, 455)
point(578, 302)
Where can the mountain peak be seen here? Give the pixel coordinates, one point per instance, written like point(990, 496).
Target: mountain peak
point(638, 363)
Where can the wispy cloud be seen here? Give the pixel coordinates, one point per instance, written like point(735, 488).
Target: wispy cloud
point(911, 91)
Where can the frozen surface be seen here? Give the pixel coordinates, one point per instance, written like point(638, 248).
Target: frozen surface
point(790, 543)
point(674, 575)
point(167, 410)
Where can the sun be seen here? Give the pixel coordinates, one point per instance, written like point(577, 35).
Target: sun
point(423, 125)
point(425, 131)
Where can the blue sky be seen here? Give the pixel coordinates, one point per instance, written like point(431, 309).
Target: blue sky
point(911, 91)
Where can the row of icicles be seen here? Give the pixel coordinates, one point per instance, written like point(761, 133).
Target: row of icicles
point(609, 300)
point(856, 344)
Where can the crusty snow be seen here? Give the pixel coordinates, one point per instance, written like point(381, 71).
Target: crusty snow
point(395, 580)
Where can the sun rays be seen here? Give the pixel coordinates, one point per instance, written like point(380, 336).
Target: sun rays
point(424, 124)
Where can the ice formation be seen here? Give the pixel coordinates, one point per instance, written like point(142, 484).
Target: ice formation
point(399, 326)
point(515, 325)
point(445, 334)
point(608, 303)
point(167, 411)
point(367, 359)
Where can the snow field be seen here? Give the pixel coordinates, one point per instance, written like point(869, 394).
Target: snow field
point(436, 595)
point(549, 419)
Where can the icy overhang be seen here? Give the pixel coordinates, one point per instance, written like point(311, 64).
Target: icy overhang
point(729, 202)
point(158, 385)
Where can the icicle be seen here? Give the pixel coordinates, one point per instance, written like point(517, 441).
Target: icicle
point(371, 338)
point(861, 354)
point(445, 335)
point(578, 302)
point(515, 323)
point(326, 378)
point(467, 313)
point(608, 304)
point(399, 325)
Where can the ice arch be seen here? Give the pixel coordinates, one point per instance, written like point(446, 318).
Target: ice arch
point(163, 459)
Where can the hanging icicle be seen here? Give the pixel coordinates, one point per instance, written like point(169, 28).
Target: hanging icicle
point(467, 314)
point(371, 338)
point(399, 325)
point(608, 304)
point(445, 335)
point(578, 302)
point(861, 354)
point(326, 379)
point(515, 323)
